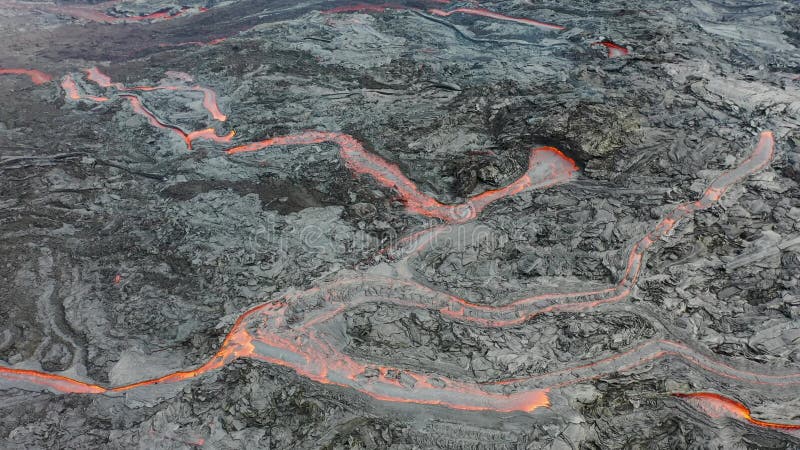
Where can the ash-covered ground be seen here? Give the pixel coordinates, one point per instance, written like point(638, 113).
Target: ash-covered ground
point(428, 274)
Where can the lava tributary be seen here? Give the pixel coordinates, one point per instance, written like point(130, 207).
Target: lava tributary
point(265, 333)
point(36, 76)
point(209, 102)
point(546, 167)
point(717, 406)
point(614, 50)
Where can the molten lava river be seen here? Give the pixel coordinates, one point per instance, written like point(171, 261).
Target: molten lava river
point(243, 97)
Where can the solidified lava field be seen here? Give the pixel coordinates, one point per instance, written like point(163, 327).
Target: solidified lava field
point(513, 224)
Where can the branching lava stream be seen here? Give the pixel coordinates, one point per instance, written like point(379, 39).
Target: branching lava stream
point(546, 167)
point(307, 342)
point(303, 331)
point(36, 76)
point(209, 103)
point(716, 406)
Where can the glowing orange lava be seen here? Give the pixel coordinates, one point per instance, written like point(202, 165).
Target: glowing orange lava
point(94, 74)
point(56, 382)
point(304, 345)
point(717, 406)
point(209, 102)
point(546, 167)
point(614, 50)
point(208, 133)
point(209, 96)
point(71, 89)
point(300, 331)
point(36, 76)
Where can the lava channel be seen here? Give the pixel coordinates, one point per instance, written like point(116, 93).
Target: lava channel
point(266, 333)
point(546, 167)
point(209, 103)
point(717, 406)
point(614, 50)
point(209, 96)
point(36, 76)
point(523, 309)
point(73, 93)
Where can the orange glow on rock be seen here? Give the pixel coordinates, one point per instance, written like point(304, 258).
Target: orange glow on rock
point(56, 382)
point(140, 109)
point(211, 135)
point(36, 76)
point(73, 93)
point(717, 406)
point(70, 88)
point(547, 166)
point(188, 138)
point(209, 96)
point(209, 102)
point(614, 50)
point(289, 332)
point(94, 74)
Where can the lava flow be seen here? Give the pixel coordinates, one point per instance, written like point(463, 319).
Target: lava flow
point(378, 8)
point(717, 406)
point(209, 102)
point(614, 50)
point(209, 96)
point(96, 13)
point(521, 310)
point(36, 76)
point(56, 382)
point(493, 15)
point(364, 7)
point(299, 331)
point(207, 133)
point(71, 89)
point(546, 167)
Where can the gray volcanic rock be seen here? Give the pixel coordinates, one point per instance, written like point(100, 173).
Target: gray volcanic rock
point(127, 256)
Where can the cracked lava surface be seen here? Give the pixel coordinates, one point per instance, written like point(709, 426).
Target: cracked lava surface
point(258, 333)
point(308, 327)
